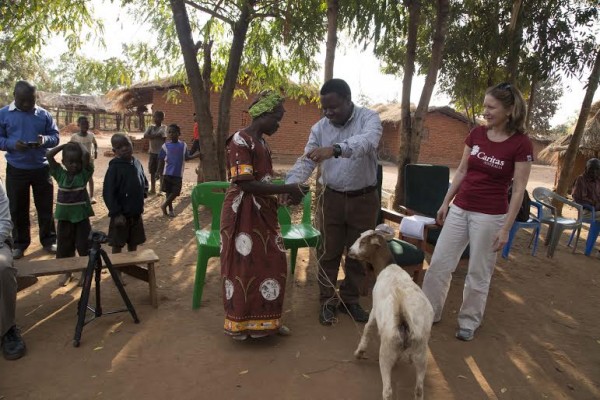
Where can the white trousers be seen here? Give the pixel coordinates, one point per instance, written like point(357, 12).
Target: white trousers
point(461, 228)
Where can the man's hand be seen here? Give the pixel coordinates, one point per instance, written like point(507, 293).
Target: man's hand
point(320, 154)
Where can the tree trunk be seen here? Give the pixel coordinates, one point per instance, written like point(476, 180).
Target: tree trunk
point(414, 16)
point(240, 30)
point(437, 51)
point(565, 179)
point(332, 22)
point(530, 102)
point(200, 91)
point(515, 39)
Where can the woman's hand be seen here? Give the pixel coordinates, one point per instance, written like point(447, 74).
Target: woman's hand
point(297, 193)
point(501, 239)
point(441, 214)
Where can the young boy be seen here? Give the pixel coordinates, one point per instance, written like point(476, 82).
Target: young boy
point(124, 191)
point(87, 139)
point(172, 158)
point(73, 208)
point(156, 135)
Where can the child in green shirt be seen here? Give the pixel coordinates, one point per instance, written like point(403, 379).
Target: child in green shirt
point(73, 208)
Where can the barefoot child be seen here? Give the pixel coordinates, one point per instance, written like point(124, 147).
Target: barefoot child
point(156, 135)
point(124, 191)
point(172, 158)
point(87, 139)
point(73, 208)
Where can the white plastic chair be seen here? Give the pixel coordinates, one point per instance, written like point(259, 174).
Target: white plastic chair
point(557, 223)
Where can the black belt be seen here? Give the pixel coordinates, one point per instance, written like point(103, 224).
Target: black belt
point(354, 193)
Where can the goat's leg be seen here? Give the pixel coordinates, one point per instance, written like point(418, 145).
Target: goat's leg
point(389, 352)
point(420, 362)
point(364, 339)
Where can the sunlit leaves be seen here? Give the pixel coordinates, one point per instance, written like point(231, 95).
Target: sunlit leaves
point(30, 24)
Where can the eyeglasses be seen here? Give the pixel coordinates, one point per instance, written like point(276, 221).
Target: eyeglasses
point(507, 86)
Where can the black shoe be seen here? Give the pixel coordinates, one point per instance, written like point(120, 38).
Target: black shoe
point(327, 314)
point(18, 253)
point(355, 311)
point(51, 248)
point(13, 346)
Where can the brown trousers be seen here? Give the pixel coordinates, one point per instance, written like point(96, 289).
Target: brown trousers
point(341, 220)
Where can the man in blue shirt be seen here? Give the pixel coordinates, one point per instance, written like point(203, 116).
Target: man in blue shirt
point(26, 132)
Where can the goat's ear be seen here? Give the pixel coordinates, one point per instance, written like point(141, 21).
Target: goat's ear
point(375, 241)
point(386, 231)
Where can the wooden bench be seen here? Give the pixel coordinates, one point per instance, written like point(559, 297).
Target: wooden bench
point(138, 264)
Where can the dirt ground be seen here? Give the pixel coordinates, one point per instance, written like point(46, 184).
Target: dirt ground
point(540, 338)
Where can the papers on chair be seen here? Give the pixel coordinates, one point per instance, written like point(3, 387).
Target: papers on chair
point(414, 226)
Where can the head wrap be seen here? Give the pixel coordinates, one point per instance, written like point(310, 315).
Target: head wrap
point(265, 105)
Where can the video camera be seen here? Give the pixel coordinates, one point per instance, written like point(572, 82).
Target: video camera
point(96, 238)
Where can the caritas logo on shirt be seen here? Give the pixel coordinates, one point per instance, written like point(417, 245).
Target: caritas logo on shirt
point(487, 160)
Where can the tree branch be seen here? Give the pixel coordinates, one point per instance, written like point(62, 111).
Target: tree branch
point(265, 15)
point(209, 11)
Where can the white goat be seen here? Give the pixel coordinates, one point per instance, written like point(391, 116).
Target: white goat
point(400, 311)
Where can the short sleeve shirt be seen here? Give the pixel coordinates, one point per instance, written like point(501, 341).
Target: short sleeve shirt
point(72, 200)
point(490, 169)
point(174, 156)
point(248, 158)
point(87, 141)
point(159, 134)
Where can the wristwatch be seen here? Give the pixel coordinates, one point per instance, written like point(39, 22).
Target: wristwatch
point(337, 150)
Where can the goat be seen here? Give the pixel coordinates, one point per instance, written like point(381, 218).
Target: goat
point(401, 312)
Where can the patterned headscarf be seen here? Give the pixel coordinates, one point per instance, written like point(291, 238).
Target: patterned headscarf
point(265, 105)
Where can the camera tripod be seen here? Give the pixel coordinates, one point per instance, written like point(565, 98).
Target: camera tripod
point(94, 269)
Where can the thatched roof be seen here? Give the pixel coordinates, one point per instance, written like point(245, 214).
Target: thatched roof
point(73, 102)
point(392, 112)
point(589, 146)
point(141, 93)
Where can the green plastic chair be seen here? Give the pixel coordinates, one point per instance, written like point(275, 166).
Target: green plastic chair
point(210, 195)
point(296, 236)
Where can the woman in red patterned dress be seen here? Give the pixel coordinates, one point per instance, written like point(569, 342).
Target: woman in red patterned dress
point(253, 261)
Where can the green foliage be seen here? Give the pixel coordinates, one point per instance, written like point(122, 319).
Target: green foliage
point(30, 24)
point(76, 74)
point(25, 66)
point(557, 36)
point(545, 104)
point(282, 40)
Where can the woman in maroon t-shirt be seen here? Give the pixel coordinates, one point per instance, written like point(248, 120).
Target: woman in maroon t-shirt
point(480, 215)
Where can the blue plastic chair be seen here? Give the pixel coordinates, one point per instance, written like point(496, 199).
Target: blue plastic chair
point(533, 222)
point(210, 195)
point(296, 236)
point(593, 231)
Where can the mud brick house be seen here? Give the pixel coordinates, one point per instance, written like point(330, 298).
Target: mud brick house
point(289, 141)
point(445, 129)
point(443, 138)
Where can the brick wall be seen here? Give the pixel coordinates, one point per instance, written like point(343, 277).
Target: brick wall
point(288, 141)
point(443, 140)
point(442, 143)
